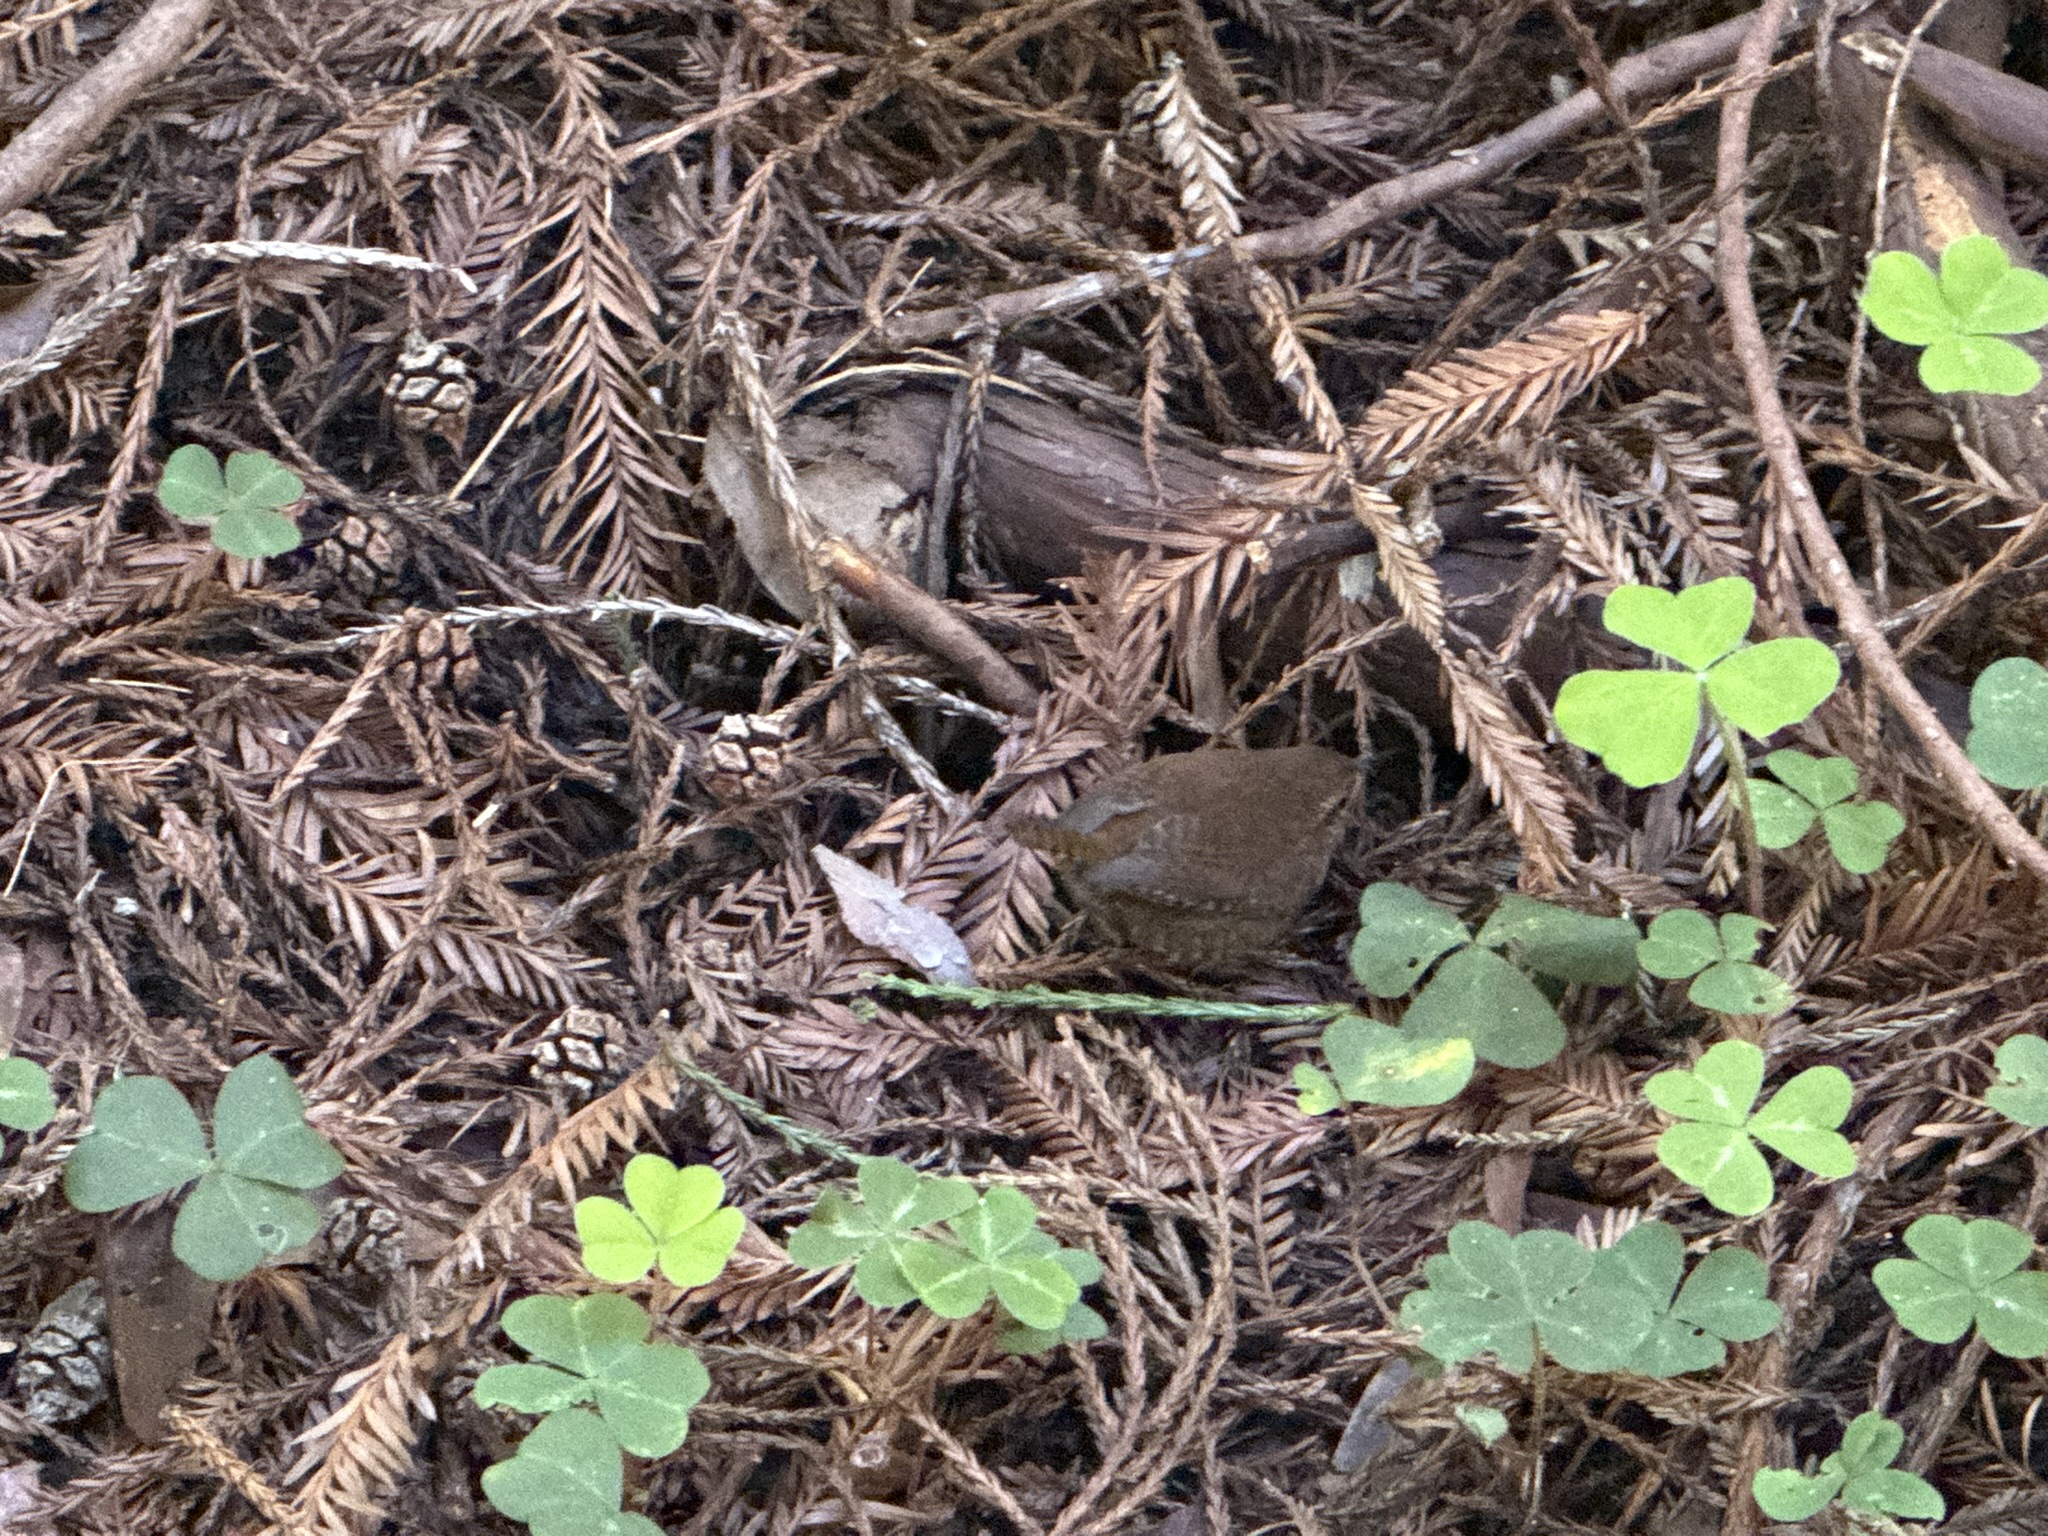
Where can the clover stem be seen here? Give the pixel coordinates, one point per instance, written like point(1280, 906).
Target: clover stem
point(1745, 814)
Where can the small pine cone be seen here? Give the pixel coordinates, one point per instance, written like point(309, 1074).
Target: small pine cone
point(358, 557)
point(746, 757)
point(66, 1366)
point(430, 390)
point(364, 1238)
point(579, 1055)
point(442, 655)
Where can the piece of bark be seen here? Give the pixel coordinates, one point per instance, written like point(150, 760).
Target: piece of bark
point(159, 1316)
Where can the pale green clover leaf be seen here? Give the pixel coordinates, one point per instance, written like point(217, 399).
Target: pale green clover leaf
point(1642, 725)
point(1818, 788)
point(1713, 1145)
point(1958, 317)
point(2008, 738)
point(26, 1103)
point(1860, 1474)
point(673, 1216)
point(1082, 1324)
point(1684, 943)
point(1484, 1423)
point(1373, 1063)
point(1964, 1272)
point(242, 506)
point(2021, 1092)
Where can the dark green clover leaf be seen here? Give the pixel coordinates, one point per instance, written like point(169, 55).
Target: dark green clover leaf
point(1713, 1145)
point(145, 1141)
point(1817, 788)
point(260, 1130)
point(242, 506)
point(1642, 725)
point(1493, 1293)
point(1001, 1252)
point(2022, 1090)
point(674, 1216)
point(1860, 1474)
point(1722, 1299)
point(1964, 1272)
point(1401, 934)
point(1557, 941)
point(1684, 943)
point(230, 1224)
point(2008, 738)
point(1476, 995)
point(26, 1103)
point(896, 1203)
point(566, 1480)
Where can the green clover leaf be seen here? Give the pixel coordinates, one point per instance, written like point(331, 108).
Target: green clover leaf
point(567, 1479)
point(674, 1216)
point(1401, 934)
point(1721, 1300)
point(1964, 1272)
point(1375, 1063)
point(1764, 688)
point(644, 1391)
point(1858, 835)
point(1684, 943)
point(1979, 296)
point(242, 505)
point(1695, 628)
point(1478, 996)
point(145, 1141)
point(1001, 1252)
point(2008, 738)
point(1713, 1145)
point(260, 1130)
point(1489, 1292)
point(896, 1202)
point(1475, 995)
point(26, 1103)
point(229, 1224)
point(1860, 1474)
point(1557, 941)
point(1642, 725)
point(2021, 1092)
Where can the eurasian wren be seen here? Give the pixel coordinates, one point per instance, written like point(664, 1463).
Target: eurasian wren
point(1204, 855)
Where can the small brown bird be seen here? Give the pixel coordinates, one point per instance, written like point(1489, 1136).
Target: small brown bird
point(1202, 856)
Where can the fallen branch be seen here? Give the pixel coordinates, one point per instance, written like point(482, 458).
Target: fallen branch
point(153, 45)
point(1654, 69)
point(1774, 430)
